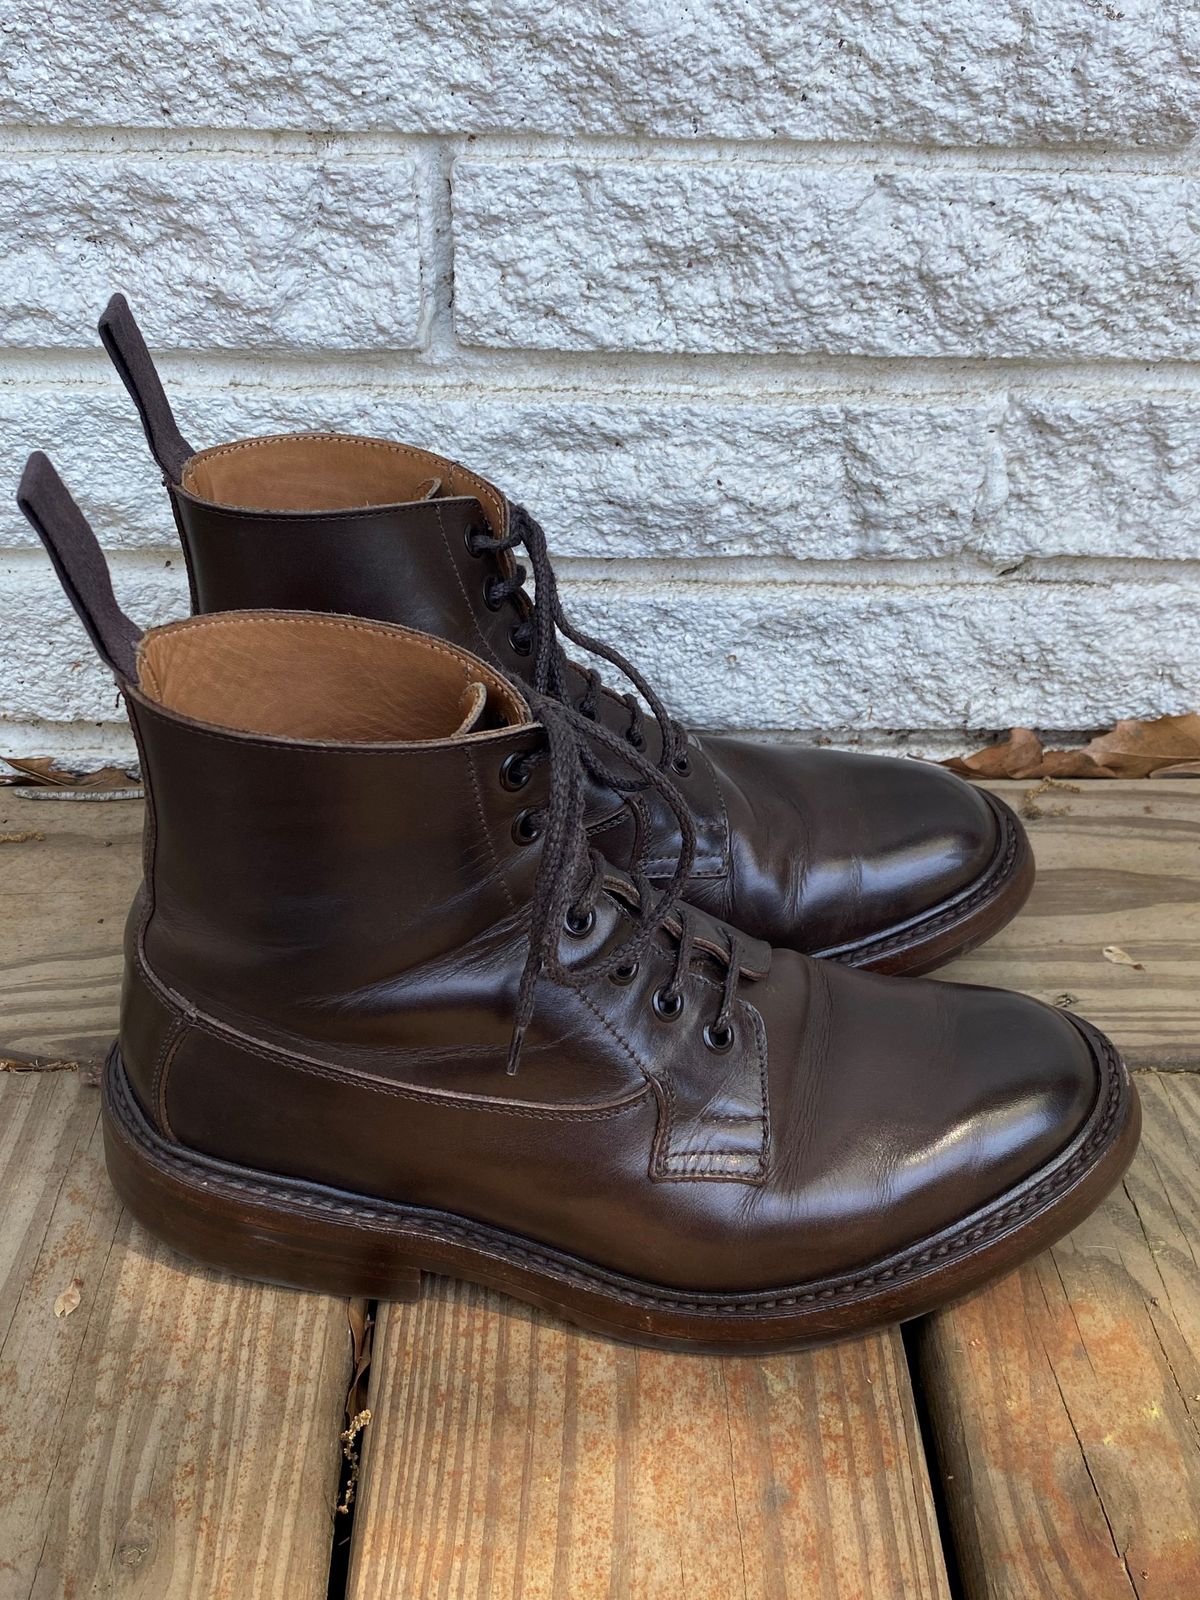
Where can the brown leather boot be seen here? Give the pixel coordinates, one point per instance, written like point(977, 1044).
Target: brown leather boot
point(387, 1012)
point(892, 865)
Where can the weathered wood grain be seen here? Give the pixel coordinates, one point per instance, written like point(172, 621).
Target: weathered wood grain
point(174, 1435)
point(1118, 864)
point(1066, 1400)
point(512, 1458)
point(63, 902)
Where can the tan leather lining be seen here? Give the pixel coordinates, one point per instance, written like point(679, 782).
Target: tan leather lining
point(329, 472)
point(302, 676)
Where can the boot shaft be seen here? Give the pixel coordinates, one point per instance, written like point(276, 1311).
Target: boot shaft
point(285, 868)
point(408, 561)
point(330, 802)
point(329, 521)
point(368, 527)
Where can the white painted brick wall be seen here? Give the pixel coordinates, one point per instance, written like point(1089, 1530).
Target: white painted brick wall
point(849, 354)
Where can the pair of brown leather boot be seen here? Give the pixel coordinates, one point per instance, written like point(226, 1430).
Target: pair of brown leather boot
point(449, 958)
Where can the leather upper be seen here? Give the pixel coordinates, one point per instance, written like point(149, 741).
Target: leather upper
point(320, 982)
point(816, 849)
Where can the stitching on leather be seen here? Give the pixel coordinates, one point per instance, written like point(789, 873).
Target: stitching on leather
point(691, 1157)
point(279, 519)
point(999, 868)
point(704, 866)
point(172, 1040)
point(463, 659)
point(396, 748)
point(315, 619)
point(312, 1069)
point(145, 670)
point(487, 832)
point(359, 441)
point(598, 1282)
point(577, 989)
point(202, 1023)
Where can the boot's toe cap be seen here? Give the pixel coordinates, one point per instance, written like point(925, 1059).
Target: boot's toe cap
point(924, 836)
point(919, 1105)
point(832, 851)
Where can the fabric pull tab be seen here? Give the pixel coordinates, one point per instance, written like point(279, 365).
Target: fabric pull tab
point(79, 563)
point(123, 340)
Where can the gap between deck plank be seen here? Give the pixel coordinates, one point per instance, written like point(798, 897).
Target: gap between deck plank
point(174, 1436)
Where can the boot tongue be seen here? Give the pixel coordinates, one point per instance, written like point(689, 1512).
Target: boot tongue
point(471, 706)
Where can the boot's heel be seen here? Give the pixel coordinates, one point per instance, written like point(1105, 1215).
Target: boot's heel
point(252, 1224)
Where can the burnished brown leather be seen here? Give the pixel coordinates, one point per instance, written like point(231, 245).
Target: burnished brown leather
point(320, 982)
point(834, 853)
point(873, 861)
point(338, 933)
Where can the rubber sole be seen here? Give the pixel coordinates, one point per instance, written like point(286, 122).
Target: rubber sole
point(961, 923)
point(282, 1230)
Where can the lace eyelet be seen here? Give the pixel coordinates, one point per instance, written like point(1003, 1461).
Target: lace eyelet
point(514, 774)
point(579, 927)
point(681, 765)
point(490, 598)
point(519, 639)
point(718, 1039)
point(666, 1005)
point(526, 828)
point(471, 539)
point(626, 972)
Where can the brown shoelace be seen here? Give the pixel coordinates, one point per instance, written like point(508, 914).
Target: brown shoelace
point(571, 875)
point(542, 619)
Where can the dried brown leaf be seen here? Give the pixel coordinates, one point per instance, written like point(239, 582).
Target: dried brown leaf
point(43, 772)
point(36, 1064)
point(1161, 746)
point(1121, 958)
point(362, 1329)
point(68, 1300)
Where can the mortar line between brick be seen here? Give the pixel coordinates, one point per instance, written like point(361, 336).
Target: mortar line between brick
point(436, 236)
point(615, 377)
point(208, 142)
point(633, 573)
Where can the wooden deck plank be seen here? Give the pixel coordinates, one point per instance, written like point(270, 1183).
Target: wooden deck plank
point(63, 902)
point(175, 1435)
point(1066, 1400)
point(512, 1458)
point(1118, 864)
